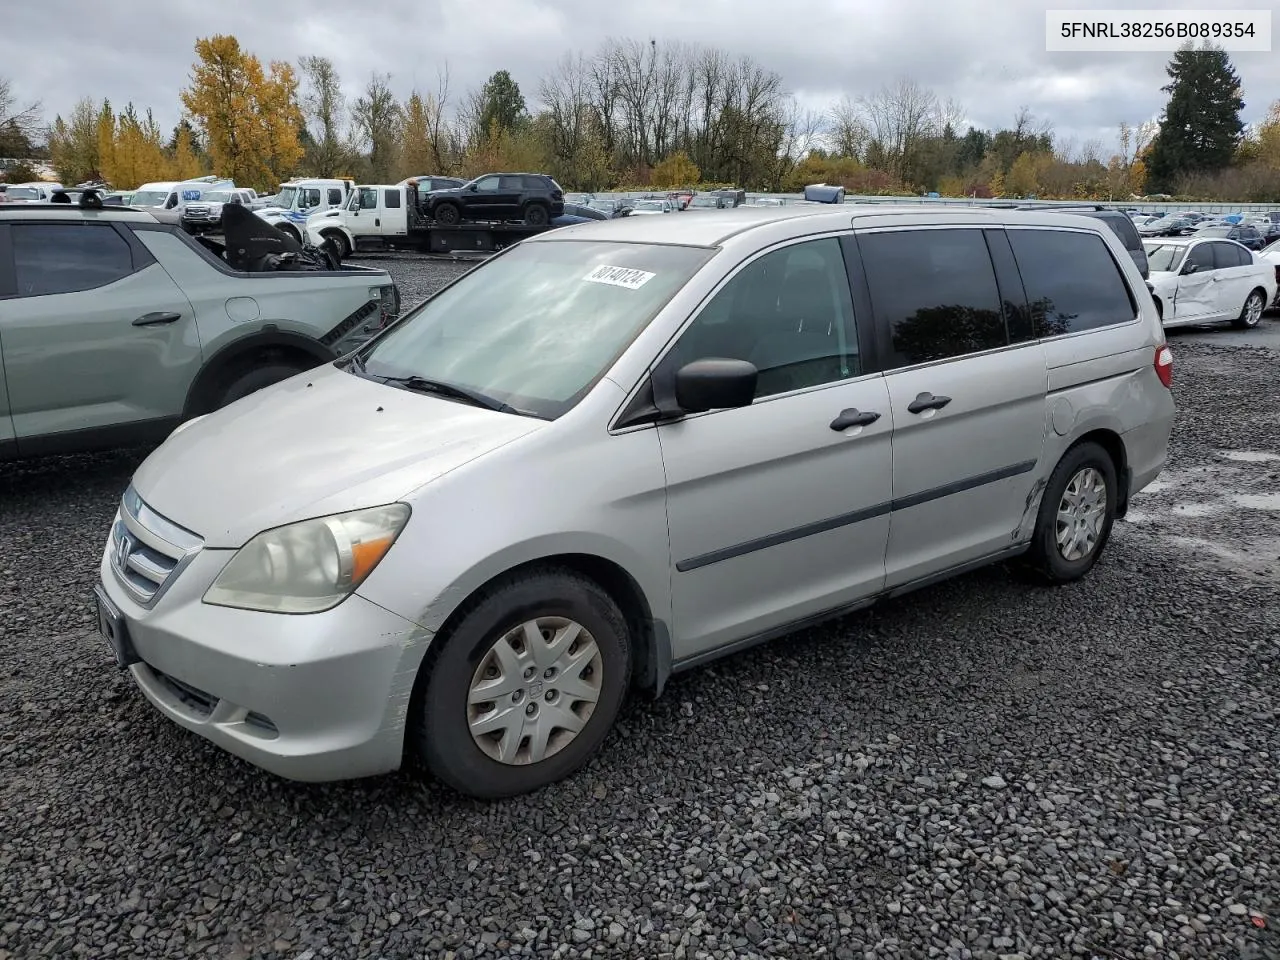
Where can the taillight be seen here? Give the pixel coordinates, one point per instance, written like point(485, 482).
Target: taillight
point(1164, 365)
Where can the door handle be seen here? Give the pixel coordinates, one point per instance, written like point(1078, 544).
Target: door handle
point(927, 401)
point(152, 319)
point(853, 417)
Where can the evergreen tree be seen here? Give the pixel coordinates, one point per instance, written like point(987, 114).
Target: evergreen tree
point(1201, 128)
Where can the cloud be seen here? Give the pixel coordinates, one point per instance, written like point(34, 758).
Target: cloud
point(989, 57)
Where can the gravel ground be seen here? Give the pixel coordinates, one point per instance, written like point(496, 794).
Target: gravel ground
point(980, 770)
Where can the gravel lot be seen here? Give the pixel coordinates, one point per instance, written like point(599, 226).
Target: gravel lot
point(982, 769)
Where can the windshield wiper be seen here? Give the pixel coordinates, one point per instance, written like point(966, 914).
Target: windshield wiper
point(451, 390)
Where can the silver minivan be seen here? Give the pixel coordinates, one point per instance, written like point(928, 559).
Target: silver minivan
point(619, 450)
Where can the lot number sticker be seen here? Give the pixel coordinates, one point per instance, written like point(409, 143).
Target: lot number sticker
point(620, 276)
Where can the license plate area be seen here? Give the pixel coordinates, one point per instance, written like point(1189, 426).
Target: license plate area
point(114, 630)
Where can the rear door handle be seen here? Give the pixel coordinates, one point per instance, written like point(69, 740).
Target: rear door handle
point(853, 417)
point(151, 319)
point(927, 401)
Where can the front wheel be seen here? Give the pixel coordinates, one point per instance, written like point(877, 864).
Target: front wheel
point(1251, 312)
point(526, 686)
point(448, 214)
point(337, 243)
point(1076, 515)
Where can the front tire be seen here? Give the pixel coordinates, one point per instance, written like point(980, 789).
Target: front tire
point(1076, 515)
point(525, 687)
point(338, 244)
point(448, 214)
point(1251, 312)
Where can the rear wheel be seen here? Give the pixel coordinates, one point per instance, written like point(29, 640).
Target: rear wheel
point(1076, 515)
point(1251, 312)
point(448, 214)
point(526, 687)
point(537, 215)
point(252, 380)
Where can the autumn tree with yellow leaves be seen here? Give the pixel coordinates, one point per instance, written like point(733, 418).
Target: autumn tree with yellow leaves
point(250, 117)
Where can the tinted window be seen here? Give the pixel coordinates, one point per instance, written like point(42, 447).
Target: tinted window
point(933, 293)
point(1226, 255)
point(392, 198)
point(536, 183)
point(513, 183)
point(1123, 228)
point(1202, 256)
point(1071, 280)
point(487, 184)
point(335, 196)
point(66, 257)
point(789, 313)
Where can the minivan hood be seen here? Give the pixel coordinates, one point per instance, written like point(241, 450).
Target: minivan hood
point(319, 443)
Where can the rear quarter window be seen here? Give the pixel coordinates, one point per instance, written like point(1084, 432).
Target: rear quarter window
point(1071, 280)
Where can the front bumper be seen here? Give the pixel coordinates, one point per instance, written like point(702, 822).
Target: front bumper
point(313, 697)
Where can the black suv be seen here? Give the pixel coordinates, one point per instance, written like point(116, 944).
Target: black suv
point(532, 197)
point(1121, 225)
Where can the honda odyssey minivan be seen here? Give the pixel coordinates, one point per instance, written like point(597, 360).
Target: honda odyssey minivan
point(619, 450)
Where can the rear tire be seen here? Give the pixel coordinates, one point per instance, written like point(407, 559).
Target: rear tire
point(537, 215)
point(1251, 312)
point(1075, 518)
point(448, 214)
point(454, 732)
point(252, 380)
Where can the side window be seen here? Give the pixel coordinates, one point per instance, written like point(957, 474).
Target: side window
point(788, 312)
point(538, 184)
point(933, 293)
point(53, 258)
point(1224, 255)
point(514, 183)
point(487, 184)
point(335, 196)
point(368, 198)
point(172, 201)
point(1072, 281)
point(1202, 256)
point(391, 199)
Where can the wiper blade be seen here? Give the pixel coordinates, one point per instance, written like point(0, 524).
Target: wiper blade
point(354, 362)
point(451, 390)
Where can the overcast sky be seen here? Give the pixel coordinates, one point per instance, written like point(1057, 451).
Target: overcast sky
point(988, 54)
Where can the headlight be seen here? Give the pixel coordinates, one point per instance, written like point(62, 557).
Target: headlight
point(309, 566)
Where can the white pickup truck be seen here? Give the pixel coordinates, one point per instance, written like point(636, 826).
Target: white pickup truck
point(374, 217)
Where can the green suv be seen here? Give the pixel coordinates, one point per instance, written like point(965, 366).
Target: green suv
point(116, 325)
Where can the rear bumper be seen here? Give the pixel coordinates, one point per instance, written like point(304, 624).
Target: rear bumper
point(1147, 450)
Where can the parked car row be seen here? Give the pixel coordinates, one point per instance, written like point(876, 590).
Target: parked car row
point(470, 537)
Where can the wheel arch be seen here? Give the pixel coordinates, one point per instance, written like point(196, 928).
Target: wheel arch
point(650, 637)
point(270, 342)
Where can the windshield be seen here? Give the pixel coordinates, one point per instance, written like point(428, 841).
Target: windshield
point(217, 196)
point(285, 197)
point(1164, 257)
point(537, 326)
point(22, 193)
point(149, 198)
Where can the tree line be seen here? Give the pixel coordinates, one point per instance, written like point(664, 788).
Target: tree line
point(639, 114)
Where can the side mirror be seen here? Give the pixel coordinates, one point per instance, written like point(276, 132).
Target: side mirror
point(472, 189)
point(1190, 268)
point(715, 384)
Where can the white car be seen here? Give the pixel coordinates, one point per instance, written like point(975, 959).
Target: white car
point(645, 208)
point(1206, 280)
point(1271, 255)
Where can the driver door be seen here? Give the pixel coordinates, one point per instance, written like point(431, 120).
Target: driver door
point(481, 202)
point(1197, 296)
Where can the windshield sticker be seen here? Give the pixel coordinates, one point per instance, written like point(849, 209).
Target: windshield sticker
point(619, 276)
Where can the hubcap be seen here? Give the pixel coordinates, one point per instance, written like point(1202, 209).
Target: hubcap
point(1253, 310)
point(534, 690)
point(1081, 514)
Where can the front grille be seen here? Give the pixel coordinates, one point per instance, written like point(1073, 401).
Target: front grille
point(147, 550)
point(197, 210)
